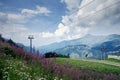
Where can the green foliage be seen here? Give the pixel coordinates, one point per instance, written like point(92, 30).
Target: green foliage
point(8, 51)
point(95, 66)
point(16, 64)
point(15, 69)
point(1, 68)
point(113, 60)
point(54, 54)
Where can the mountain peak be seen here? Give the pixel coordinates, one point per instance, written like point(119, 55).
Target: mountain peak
point(114, 36)
point(89, 34)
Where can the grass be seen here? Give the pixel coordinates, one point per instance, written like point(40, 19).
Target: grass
point(17, 69)
point(14, 69)
point(85, 64)
point(113, 60)
point(16, 64)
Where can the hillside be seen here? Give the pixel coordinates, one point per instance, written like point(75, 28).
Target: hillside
point(17, 64)
point(93, 46)
point(81, 50)
point(89, 40)
point(104, 66)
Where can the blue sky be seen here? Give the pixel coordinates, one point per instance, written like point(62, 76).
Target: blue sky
point(57, 10)
point(57, 20)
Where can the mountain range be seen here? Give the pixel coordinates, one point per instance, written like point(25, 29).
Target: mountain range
point(92, 45)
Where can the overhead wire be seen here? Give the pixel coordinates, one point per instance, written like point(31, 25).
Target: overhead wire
point(78, 9)
point(100, 10)
point(88, 14)
point(84, 5)
point(73, 12)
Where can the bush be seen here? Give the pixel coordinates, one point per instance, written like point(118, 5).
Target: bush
point(54, 54)
point(8, 51)
point(50, 54)
point(1, 67)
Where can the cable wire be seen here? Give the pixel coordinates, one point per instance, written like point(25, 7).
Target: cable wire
point(83, 6)
point(100, 10)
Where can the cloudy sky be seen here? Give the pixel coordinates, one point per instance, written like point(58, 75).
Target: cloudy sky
point(56, 20)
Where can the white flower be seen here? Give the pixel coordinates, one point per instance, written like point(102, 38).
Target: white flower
point(42, 79)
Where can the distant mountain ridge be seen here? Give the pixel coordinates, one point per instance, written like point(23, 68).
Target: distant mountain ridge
point(81, 50)
point(26, 48)
point(88, 40)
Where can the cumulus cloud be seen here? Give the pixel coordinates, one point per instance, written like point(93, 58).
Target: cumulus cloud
point(71, 4)
point(2, 14)
point(91, 18)
point(38, 10)
point(12, 18)
point(9, 28)
point(14, 22)
point(86, 20)
point(59, 32)
point(76, 23)
point(99, 11)
point(39, 38)
point(3, 18)
point(23, 17)
point(62, 30)
point(46, 35)
point(13, 31)
point(16, 18)
point(11, 23)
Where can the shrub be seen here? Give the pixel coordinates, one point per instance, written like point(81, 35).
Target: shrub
point(8, 51)
point(54, 54)
point(1, 67)
point(50, 54)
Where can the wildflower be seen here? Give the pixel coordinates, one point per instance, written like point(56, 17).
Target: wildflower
point(42, 79)
point(29, 78)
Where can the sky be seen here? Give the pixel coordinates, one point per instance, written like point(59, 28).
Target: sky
point(52, 21)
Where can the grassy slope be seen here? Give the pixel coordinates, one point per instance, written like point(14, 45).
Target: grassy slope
point(16, 69)
point(91, 65)
point(113, 60)
point(15, 64)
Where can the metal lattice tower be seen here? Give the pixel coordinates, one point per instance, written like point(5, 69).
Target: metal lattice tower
point(103, 48)
point(30, 37)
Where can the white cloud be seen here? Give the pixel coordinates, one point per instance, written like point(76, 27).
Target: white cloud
point(85, 2)
point(2, 14)
point(71, 4)
point(11, 28)
point(11, 22)
point(62, 30)
point(39, 38)
point(3, 18)
point(72, 25)
point(46, 35)
point(38, 10)
point(13, 25)
point(13, 18)
point(79, 32)
point(65, 33)
point(59, 32)
point(16, 18)
point(82, 21)
point(11, 31)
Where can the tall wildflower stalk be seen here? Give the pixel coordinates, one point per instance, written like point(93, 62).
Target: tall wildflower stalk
point(52, 70)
